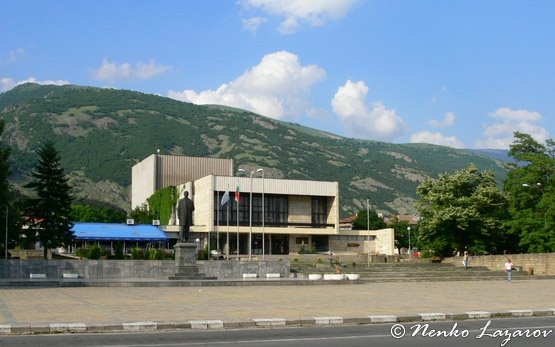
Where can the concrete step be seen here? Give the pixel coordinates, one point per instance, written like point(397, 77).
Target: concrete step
point(413, 272)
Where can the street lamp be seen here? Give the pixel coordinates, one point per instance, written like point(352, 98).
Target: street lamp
point(410, 253)
point(250, 213)
point(263, 236)
point(239, 170)
point(368, 231)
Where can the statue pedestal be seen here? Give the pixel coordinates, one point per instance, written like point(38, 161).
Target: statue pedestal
point(186, 263)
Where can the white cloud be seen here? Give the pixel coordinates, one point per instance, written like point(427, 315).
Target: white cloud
point(297, 12)
point(447, 121)
point(436, 139)
point(500, 134)
point(111, 71)
point(16, 54)
point(277, 87)
point(362, 120)
point(7, 83)
point(252, 24)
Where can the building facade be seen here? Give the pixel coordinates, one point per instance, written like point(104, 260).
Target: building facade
point(158, 171)
point(270, 216)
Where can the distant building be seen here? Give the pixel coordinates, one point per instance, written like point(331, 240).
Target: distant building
point(409, 219)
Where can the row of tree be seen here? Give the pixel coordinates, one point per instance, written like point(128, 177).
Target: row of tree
point(465, 210)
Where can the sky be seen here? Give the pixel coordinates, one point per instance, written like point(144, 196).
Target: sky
point(459, 73)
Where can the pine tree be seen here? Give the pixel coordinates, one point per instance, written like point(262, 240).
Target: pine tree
point(50, 209)
point(4, 185)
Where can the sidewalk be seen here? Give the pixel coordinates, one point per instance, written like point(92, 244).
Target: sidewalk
point(39, 309)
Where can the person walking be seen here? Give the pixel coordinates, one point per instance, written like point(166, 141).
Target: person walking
point(465, 260)
point(509, 269)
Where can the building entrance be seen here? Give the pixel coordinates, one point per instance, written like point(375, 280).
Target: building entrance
point(280, 244)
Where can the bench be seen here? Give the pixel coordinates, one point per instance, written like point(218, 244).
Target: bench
point(273, 275)
point(250, 275)
point(37, 275)
point(70, 275)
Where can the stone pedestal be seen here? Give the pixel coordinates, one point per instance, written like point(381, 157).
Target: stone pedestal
point(186, 263)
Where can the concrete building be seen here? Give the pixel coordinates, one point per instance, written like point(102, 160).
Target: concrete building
point(158, 171)
point(299, 215)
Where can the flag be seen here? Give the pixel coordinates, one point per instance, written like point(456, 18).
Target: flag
point(237, 196)
point(225, 198)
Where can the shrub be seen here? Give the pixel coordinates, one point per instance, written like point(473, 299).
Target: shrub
point(94, 251)
point(118, 250)
point(203, 254)
point(138, 253)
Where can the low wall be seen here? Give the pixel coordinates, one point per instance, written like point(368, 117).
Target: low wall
point(542, 263)
point(128, 269)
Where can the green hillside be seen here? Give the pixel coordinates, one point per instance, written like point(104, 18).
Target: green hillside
point(102, 133)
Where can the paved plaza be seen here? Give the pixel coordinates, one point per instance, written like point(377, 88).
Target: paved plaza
point(166, 304)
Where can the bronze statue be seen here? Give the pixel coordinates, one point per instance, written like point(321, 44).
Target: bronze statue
point(185, 208)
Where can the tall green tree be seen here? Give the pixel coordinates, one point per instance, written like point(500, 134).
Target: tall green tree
point(530, 185)
point(361, 223)
point(142, 215)
point(50, 208)
point(9, 199)
point(462, 210)
point(4, 171)
point(88, 213)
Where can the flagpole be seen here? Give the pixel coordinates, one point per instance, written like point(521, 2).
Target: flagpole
point(218, 223)
point(227, 236)
point(237, 198)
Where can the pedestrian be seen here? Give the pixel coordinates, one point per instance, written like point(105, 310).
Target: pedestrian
point(465, 260)
point(509, 269)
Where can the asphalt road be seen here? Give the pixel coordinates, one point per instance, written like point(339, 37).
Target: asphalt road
point(499, 332)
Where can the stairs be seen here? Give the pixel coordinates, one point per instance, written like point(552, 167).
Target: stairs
point(410, 272)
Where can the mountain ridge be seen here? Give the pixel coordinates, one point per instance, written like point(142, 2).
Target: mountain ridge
point(101, 133)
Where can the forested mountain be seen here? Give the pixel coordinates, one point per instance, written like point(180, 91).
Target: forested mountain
point(101, 133)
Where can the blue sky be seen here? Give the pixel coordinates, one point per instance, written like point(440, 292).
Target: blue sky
point(463, 73)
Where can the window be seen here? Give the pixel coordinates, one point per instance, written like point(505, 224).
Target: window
point(319, 210)
point(275, 209)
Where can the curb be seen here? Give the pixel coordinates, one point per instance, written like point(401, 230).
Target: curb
point(51, 328)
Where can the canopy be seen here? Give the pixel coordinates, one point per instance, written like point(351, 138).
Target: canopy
point(117, 232)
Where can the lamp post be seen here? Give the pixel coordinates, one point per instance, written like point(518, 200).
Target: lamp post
point(263, 236)
point(6, 245)
point(368, 231)
point(250, 213)
point(239, 170)
point(410, 252)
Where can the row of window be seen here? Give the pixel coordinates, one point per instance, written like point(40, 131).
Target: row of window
point(276, 210)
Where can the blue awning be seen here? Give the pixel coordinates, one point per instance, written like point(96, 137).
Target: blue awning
point(117, 232)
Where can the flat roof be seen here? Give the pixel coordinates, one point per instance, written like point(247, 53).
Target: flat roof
point(117, 232)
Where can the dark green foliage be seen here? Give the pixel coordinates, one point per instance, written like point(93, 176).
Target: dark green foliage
point(9, 199)
point(531, 187)
point(402, 234)
point(94, 251)
point(87, 213)
point(102, 133)
point(150, 254)
point(462, 211)
point(142, 215)
point(50, 208)
point(309, 250)
point(162, 203)
point(361, 223)
point(203, 254)
point(118, 250)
